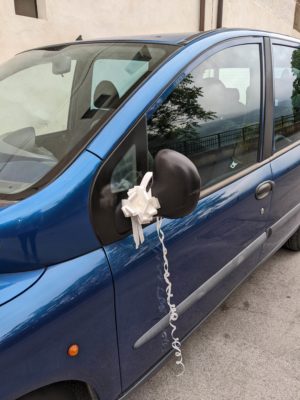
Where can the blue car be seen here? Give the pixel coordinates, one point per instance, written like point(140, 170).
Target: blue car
point(83, 312)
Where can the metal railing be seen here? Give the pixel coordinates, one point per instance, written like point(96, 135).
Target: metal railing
point(286, 124)
point(214, 141)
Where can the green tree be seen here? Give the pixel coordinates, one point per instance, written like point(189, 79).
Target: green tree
point(177, 116)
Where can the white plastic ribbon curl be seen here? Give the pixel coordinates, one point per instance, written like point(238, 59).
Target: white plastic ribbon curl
point(173, 314)
point(141, 207)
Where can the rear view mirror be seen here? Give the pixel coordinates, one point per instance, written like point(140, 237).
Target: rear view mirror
point(61, 64)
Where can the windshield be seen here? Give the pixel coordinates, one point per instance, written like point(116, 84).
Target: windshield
point(51, 99)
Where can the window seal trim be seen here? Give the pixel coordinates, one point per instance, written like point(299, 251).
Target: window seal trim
point(284, 42)
point(268, 120)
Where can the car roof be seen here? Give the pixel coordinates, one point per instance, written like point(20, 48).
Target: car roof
point(166, 38)
point(163, 38)
point(188, 37)
point(179, 39)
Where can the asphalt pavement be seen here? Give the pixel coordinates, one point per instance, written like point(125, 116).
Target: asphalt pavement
point(249, 349)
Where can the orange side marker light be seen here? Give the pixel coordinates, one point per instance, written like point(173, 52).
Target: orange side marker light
point(73, 350)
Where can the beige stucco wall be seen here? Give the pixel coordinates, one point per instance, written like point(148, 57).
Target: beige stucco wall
point(270, 15)
point(64, 20)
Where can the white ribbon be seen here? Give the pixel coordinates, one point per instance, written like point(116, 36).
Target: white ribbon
point(173, 314)
point(141, 207)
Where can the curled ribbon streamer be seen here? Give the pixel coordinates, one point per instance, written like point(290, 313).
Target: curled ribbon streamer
point(173, 316)
point(141, 207)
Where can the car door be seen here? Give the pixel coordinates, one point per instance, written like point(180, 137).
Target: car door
point(212, 113)
point(285, 164)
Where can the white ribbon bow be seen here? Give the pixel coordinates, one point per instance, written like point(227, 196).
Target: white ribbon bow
point(141, 207)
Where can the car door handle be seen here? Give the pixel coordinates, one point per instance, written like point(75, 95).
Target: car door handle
point(264, 189)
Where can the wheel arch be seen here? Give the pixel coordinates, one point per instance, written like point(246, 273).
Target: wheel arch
point(61, 390)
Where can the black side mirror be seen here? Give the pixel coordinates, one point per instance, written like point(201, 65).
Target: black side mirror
point(176, 184)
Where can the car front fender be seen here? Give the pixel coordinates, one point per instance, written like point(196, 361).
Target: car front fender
point(72, 303)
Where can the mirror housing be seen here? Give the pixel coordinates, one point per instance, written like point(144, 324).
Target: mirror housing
point(176, 184)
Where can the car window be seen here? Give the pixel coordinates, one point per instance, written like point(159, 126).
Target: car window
point(52, 100)
point(286, 75)
point(124, 175)
point(213, 115)
point(237, 78)
point(24, 91)
point(123, 73)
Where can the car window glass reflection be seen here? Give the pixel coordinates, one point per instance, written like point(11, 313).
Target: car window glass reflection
point(213, 115)
point(286, 66)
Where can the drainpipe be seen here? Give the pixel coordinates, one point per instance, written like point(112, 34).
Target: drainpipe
point(220, 14)
point(202, 16)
